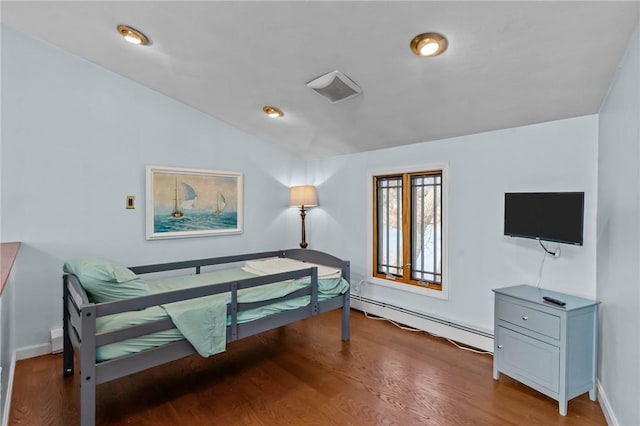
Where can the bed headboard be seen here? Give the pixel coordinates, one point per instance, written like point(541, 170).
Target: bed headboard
point(319, 257)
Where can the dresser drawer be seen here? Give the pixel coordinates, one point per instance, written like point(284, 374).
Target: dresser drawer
point(531, 319)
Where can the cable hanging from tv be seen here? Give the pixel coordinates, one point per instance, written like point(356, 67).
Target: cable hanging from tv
point(546, 252)
point(552, 253)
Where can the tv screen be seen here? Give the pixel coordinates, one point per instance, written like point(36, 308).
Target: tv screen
point(549, 216)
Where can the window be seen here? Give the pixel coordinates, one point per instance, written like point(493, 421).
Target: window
point(408, 228)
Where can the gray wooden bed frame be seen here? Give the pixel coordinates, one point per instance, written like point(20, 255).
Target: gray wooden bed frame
point(79, 318)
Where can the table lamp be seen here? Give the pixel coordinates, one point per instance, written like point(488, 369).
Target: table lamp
point(303, 196)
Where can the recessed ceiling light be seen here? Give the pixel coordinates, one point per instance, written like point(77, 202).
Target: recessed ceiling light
point(428, 44)
point(272, 111)
point(132, 35)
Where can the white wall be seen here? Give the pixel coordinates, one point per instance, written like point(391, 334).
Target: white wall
point(618, 233)
point(75, 141)
point(554, 156)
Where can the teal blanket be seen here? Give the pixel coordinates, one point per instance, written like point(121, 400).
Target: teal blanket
point(203, 321)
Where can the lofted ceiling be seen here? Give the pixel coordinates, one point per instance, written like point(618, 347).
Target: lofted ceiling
point(507, 64)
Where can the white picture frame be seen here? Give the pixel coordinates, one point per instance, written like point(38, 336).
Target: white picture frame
point(183, 202)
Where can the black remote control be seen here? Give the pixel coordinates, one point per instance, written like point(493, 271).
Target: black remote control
point(554, 301)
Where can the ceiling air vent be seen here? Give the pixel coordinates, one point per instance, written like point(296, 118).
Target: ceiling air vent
point(335, 86)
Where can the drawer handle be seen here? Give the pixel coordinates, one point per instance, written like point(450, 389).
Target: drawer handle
point(524, 317)
point(499, 346)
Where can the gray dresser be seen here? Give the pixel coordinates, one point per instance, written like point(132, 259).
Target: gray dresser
point(547, 347)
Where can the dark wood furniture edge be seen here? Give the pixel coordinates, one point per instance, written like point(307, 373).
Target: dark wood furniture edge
point(8, 254)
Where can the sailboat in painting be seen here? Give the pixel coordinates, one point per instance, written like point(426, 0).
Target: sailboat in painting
point(221, 203)
point(177, 213)
point(190, 197)
point(186, 202)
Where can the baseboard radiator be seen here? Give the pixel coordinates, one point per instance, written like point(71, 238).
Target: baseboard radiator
point(464, 334)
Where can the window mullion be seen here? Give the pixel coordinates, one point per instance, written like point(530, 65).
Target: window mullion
point(386, 230)
point(422, 233)
point(397, 231)
point(406, 227)
point(435, 232)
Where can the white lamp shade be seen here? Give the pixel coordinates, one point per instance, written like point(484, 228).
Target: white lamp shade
point(304, 195)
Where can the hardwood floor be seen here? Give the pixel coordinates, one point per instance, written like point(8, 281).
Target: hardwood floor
point(303, 374)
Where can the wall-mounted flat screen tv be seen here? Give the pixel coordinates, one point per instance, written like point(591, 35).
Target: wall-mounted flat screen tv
point(549, 216)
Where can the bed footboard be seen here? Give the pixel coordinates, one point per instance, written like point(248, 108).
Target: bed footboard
point(67, 348)
point(322, 258)
point(79, 329)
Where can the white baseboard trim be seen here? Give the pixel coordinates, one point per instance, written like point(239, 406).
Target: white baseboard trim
point(7, 399)
point(33, 351)
point(446, 329)
point(20, 354)
point(606, 406)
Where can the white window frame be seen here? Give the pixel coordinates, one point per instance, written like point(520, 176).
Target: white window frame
point(443, 293)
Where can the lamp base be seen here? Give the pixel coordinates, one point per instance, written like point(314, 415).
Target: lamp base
point(303, 213)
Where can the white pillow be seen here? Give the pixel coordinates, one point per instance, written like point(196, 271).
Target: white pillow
point(280, 264)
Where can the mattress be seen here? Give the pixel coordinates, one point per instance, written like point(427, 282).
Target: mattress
point(329, 285)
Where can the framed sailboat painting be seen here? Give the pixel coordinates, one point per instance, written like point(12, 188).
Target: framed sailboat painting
point(192, 202)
